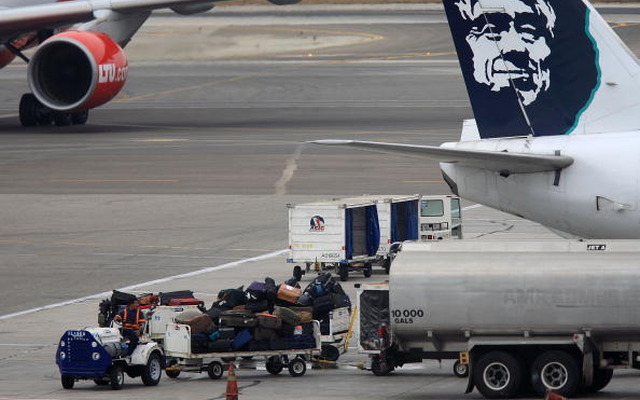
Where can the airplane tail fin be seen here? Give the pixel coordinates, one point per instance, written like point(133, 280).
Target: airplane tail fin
point(543, 67)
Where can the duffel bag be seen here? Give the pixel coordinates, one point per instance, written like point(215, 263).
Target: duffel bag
point(288, 315)
point(201, 324)
point(242, 338)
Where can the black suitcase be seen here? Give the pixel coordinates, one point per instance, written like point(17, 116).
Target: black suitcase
point(199, 343)
point(122, 298)
point(322, 305)
point(165, 297)
point(220, 345)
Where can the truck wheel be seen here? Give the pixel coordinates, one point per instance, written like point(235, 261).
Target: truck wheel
point(274, 366)
point(498, 375)
point(172, 373)
point(215, 370)
point(460, 370)
point(601, 378)
point(557, 371)
point(386, 264)
point(380, 367)
point(297, 367)
point(297, 273)
point(67, 381)
point(329, 353)
point(343, 272)
point(152, 372)
point(116, 377)
point(368, 269)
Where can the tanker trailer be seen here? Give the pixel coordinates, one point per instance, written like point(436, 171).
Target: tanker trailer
point(544, 315)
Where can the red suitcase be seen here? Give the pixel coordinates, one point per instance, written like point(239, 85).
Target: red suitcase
point(186, 302)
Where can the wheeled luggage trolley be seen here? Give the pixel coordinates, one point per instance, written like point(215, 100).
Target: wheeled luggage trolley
point(180, 358)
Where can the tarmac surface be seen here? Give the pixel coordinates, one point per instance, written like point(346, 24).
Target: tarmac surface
point(182, 182)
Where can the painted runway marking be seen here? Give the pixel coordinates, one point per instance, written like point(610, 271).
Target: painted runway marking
point(150, 283)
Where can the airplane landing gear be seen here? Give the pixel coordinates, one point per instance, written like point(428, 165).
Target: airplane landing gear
point(33, 113)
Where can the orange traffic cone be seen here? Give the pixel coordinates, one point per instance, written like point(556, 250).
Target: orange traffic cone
point(553, 396)
point(232, 384)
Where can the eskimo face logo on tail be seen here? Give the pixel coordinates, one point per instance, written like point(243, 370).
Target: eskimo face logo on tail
point(525, 57)
point(511, 46)
point(317, 224)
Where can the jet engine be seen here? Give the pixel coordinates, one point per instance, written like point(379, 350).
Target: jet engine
point(75, 71)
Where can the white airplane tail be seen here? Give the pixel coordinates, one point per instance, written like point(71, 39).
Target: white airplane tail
point(543, 68)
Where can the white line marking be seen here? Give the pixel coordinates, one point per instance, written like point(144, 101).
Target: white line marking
point(471, 207)
point(154, 282)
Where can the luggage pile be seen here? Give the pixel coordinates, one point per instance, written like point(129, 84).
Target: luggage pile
point(262, 317)
point(266, 316)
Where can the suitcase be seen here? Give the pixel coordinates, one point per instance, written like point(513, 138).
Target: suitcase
point(256, 291)
point(242, 338)
point(201, 324)
point(289, 316)
point(199, 343)
point(226, 333)
point(257, 345)
point(238, 319)
point(122, 298)
point(269, 321)
point(165, 297)
point(278, 344)
point(220, 345)
point(322, 305)
point(289, 294)
point(286, 330)
point(185, 302)
point(264, 334)
point(234, 297)
point(300, 342)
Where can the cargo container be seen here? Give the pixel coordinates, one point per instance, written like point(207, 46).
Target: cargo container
point(341, 235)
point(544, 315)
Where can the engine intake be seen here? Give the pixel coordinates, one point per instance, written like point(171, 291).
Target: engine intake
point(76, 71)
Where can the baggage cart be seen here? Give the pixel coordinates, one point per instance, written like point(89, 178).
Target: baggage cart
point(342, 235)
point(334, 340)
point(180, 358)
point(160, 316)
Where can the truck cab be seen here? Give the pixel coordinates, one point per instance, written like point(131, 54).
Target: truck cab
point(440, 217)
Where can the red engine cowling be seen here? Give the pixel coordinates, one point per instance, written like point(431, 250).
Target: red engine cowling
point(76, 71)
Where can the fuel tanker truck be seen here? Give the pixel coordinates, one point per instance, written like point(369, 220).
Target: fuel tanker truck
point(537, 315)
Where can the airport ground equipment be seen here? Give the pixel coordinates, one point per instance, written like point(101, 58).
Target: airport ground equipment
point(440, 217)
point(160, 316)
point(334, 341)
point(99, 354)
point(341, 235)
point(556, 315)
point(180, 358)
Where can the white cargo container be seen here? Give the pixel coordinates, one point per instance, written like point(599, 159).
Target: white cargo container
point(340, 234)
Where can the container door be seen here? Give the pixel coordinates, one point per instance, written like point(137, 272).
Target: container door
point(372, 230)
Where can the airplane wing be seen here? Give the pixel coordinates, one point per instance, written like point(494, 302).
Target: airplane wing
point(489, 160)
point(18, 20)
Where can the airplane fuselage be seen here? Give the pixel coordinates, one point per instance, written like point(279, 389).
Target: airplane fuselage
point(597, 196)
